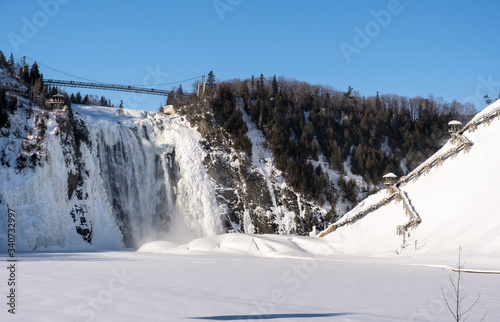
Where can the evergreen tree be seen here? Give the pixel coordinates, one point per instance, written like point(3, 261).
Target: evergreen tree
point(210, 86)
point(378, 103)
point(245, 93)
point(275, 86)
point(34, 73)
point(279, 143)
point(3, 61)
point(253, 88)
point(350, 191)
point(103, 101)
point(261, 90)
point(53, 91)
point(4, 115)
point(171, 98)
point(336, 158)
point(11, 64)
point(180, 96)
point(358, 161)
point(78, 98)
point(223, 104)
point(12, 104)
point(3, 99)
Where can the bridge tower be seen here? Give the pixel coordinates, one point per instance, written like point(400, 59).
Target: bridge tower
point(24, 68)
point(201, 87)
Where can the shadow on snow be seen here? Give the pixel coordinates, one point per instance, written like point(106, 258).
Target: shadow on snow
point(268, 316)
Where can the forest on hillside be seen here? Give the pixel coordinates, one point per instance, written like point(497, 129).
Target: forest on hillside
point(302, 122)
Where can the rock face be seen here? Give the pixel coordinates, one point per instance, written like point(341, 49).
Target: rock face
point(253, 195)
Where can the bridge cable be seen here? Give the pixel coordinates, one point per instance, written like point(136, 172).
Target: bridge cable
point(94, 81)
point(71, 75)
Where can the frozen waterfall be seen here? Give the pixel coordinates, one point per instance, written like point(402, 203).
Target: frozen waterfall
point(141, 178)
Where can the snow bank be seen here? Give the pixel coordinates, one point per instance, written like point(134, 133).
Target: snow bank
point(275, 246)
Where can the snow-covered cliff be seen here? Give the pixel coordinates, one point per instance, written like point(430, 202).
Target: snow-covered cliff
point(103, 178)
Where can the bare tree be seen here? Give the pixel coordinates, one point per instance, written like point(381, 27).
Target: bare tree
point(456, 295)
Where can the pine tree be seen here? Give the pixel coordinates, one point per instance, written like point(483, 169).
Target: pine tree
point(171, 98)
point(279, 142)
point(11, 65)
point(261, 90)
point(34, 73)
point(275, 86)
point(4, 115)
point(336, 159)
point(12, 104)
point(3, 99)
point(180, 95)
point(350, 191)
point(53, 91)
point(253, 88)
point(223, 104)
point(210, 83)
point(378, 103)
point(3, 61)
point(103, 101)
point(358, 161)
point(78, 98)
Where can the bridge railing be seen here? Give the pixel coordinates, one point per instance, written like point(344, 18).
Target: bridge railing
point(112, 87)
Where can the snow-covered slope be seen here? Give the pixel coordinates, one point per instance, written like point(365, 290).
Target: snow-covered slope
point(457, 202)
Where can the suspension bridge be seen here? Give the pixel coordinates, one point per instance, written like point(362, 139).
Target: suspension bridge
point(111, 87)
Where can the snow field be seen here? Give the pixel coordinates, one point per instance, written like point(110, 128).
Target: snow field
point(129, 286)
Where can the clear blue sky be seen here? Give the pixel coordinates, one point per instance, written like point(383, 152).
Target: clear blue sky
point(445, 48)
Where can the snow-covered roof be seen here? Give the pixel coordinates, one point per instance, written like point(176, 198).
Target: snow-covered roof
point(455, 122)
point(390, 175)
point(169, 109)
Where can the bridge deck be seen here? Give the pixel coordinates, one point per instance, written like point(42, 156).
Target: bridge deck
point(110, 87)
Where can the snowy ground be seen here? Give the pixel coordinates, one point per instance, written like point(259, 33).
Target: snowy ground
point(221, 279)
